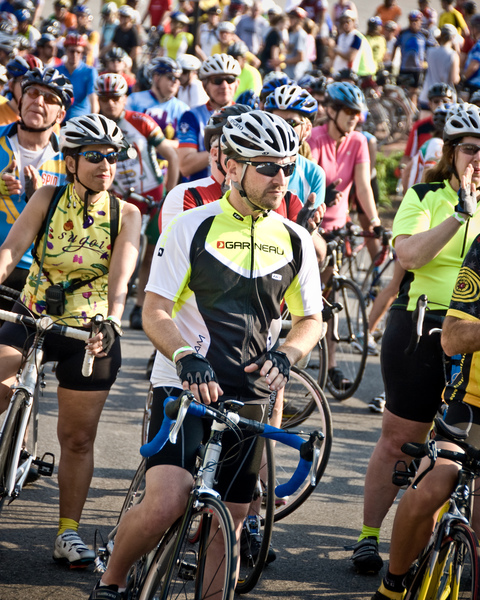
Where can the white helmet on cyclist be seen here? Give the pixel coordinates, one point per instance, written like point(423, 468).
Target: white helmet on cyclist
point(292, 97)
point(258, 133)
point(466, 121)
point(89, 130)
point(111, 84)
point(188, 62)
point(219, 64)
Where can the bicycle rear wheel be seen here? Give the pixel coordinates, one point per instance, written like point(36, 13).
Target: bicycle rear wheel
point(301, 398)
point(286, 459)
point(351, 348)
point(179, 567)
point(376, 280)
point(317, 365)
point(254, 547)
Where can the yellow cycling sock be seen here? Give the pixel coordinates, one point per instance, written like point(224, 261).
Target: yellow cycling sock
point(391, 595)
point(64, 524)
point(369, 532)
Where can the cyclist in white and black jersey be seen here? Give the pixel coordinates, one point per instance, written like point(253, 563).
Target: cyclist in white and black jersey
point(221, 340)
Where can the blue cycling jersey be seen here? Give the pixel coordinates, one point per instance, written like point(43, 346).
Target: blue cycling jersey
point(308, 177)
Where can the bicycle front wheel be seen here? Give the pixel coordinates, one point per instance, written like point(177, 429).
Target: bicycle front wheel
point(318, 362)
point(195, 567)
point(255, 547)
point(454, 574)
point(351, 349)
point(286, 459)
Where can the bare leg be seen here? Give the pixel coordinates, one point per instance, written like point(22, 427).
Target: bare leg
point(380, 492)
point(10, 360)
point(167, 489)
point(78, 416)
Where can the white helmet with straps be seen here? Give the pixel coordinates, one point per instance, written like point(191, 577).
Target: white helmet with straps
point(466, 121)
point(89, 130)
point(219, 64)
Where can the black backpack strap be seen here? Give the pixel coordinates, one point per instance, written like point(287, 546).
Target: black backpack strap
point(196, 195)
point(114, 218)
point(57, 194)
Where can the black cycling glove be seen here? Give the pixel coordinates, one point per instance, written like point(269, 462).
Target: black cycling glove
point(110, 331)
point(279, 360)
point(194, 368)
point(330, 194)
point(304, 214)
point(467, 203)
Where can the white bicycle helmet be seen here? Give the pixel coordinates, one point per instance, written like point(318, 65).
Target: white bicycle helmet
point(188, 62)
point(258, 133)
point(89, 130)
point(112, 84)
point(219, 64)
point(465, 122)
point(292, 97)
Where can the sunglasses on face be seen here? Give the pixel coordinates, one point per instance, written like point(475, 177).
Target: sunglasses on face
point(74, 51)
point(95, 157)
point(270, 169)
point(351, 112)
point(48, 97)
point(107, 97)
point(468, 149)
point(293, 122)
point(172, 77)
point(219, 80)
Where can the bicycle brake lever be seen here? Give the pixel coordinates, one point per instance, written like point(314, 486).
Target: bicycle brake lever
point(187, 399)
point(432, 453)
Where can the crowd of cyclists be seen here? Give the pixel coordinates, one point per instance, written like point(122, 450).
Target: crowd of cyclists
point(260, 113)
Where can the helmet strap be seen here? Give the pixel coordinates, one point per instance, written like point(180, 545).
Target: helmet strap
point(88, 192)
point(335, 122)
point(248, 202)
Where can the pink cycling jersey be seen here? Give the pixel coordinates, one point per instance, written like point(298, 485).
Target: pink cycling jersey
point(338, 163)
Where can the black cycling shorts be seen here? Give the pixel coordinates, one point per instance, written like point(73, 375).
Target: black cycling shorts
point(240, 458)
point(464, 416)
point(413, 384)
point(69, 354)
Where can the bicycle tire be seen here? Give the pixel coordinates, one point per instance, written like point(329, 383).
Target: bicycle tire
point(301, 398)
point(455, 572)
point(378, 121)
point(178, 567)
point(317, 365)
point(286, 459)
point(147, 413)
point(252, 568)
point(132, 284)
point(376, 280)
point(351, 349)
point(8, 440)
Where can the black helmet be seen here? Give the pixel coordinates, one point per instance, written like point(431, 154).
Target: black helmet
point(438, 90)
point(219, 119)
point(52, 79)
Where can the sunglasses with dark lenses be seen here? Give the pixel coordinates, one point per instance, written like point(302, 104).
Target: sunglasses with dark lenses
point(48, 97)
point(95, 157)
point(219, 80)
point(468, 149)
point(270, 169)
point(293, 122)
point(172, 77)
point(107, 97)
point(351, 112)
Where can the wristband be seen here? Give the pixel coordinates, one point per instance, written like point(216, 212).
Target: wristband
point(375, 220)
point(115, 320)
point(462, 218)
point(180, 350)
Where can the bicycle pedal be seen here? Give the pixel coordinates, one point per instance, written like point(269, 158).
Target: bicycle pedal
point(46, 464)
point(402, 474)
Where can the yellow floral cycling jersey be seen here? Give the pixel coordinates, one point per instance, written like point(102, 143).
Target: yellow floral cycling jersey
point(74, 250)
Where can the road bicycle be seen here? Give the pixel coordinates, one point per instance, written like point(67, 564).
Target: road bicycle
point(449, 567)
point(18, 449)
point(176, 567)
point(348, 328)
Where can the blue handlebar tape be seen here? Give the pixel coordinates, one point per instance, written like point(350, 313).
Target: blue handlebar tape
point(159, 441)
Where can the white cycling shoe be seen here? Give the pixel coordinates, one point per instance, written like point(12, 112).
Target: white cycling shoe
point(71, 550)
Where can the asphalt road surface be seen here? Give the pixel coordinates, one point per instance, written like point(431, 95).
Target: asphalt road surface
point(311, 563)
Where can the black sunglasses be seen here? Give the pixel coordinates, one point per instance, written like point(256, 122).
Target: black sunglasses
point(270, 169)
point(219, 80)
point(95, 157)
point(172, 77)
point(468, 149)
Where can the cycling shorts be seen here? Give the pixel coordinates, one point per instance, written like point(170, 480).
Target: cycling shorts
point(464, 416)
point(69, 354)
point(414, 383)
point(240, 458)
point(153, 232)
